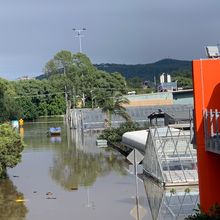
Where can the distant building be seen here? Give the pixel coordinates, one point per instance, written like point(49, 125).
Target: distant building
point(25, 78)
point(167, 87)
point(166, 83)
point(132, 93)
point(184, 97)
point(168, 78)
point(162, 78)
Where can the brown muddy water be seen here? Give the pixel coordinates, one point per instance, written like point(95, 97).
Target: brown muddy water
point(67, 177)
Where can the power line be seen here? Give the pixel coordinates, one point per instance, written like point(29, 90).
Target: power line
point(23, 96)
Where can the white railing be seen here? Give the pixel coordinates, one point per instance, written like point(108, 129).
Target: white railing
point(212, 130)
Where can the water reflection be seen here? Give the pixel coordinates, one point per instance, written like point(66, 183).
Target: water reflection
point(55, 139)
point(11, 205)
point(172, 203)
point(36, 135)
point(86, 181)
point(82, 163)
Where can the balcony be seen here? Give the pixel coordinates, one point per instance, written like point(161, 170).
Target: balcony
point(212, 130)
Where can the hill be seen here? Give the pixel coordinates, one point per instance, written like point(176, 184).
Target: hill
point(147, 71)
point(144, 71)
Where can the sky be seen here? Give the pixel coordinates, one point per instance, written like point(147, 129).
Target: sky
point(117, 31)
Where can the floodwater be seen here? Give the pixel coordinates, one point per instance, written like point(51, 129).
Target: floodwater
point(68, 177)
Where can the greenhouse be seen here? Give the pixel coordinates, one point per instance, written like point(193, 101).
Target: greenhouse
point(172, 203)
point(169, 156)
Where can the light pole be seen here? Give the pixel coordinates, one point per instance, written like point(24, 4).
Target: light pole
point(79, 35)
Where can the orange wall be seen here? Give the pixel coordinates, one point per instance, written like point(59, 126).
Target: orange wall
point(206, 81)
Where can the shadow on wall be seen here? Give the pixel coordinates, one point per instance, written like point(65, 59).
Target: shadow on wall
point(208, 162)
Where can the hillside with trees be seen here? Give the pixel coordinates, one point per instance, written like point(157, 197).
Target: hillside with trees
point(147, 71)
point(137, 74)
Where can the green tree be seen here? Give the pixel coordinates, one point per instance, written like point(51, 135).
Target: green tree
point(81, 79)
point(183, 78)
point(212, 214)
point(183, 82)
point(114, 106)
point(40, 98)
point(11, 147)
point(8, 105)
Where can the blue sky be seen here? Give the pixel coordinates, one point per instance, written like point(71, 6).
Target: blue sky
point(118, 31)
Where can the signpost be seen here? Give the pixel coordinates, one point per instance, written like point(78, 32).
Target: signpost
point(135, 157)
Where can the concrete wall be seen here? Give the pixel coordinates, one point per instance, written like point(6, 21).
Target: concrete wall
point(161, 98)
point(151, 99)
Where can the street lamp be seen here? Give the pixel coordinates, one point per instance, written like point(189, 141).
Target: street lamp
point(79, 35)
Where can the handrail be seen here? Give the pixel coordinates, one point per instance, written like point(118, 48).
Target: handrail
point(212, 130)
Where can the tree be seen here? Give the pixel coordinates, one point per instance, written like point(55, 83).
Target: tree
point(8, 105)
point(82, 80)
point(40, 98)
point(114, 106)
point(183, 78)
point(11, 147)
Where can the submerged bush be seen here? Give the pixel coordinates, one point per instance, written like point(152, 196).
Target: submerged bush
point(213, 214)
point(115, 134)
point(11, 147)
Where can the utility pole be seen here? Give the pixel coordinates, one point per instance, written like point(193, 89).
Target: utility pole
point(79, 35)
point(66, 96)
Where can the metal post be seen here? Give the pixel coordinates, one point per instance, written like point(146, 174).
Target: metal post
point(79, 35)
point(211, 123)
point(216, 120)
point(136, 179)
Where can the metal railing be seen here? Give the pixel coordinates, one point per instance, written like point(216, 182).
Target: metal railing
point(212, 130)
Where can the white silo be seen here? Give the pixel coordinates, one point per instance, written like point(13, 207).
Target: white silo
point(168, 78)
point(162, 78)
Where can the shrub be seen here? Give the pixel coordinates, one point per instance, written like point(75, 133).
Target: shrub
point(213, 214)
point(115, 134)
point(11, 147)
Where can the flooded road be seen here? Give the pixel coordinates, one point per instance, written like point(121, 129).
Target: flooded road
point(68, 177)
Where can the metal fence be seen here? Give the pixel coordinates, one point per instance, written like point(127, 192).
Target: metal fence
point(95, 118)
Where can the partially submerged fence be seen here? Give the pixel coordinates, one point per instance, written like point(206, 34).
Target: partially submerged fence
point(95, 119)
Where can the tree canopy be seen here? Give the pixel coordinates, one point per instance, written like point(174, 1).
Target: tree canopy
point(11, 147)
point(82, 80)
point(71, 80)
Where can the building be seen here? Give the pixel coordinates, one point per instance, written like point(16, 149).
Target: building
point(206, 80)
point(166, 83)
point(161, 98)
point(25, 78)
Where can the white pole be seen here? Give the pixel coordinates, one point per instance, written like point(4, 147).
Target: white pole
point(79, 35)
point(136, 180)
point(80, 44)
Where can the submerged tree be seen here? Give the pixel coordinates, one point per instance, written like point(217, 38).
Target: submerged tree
point(11, 147)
